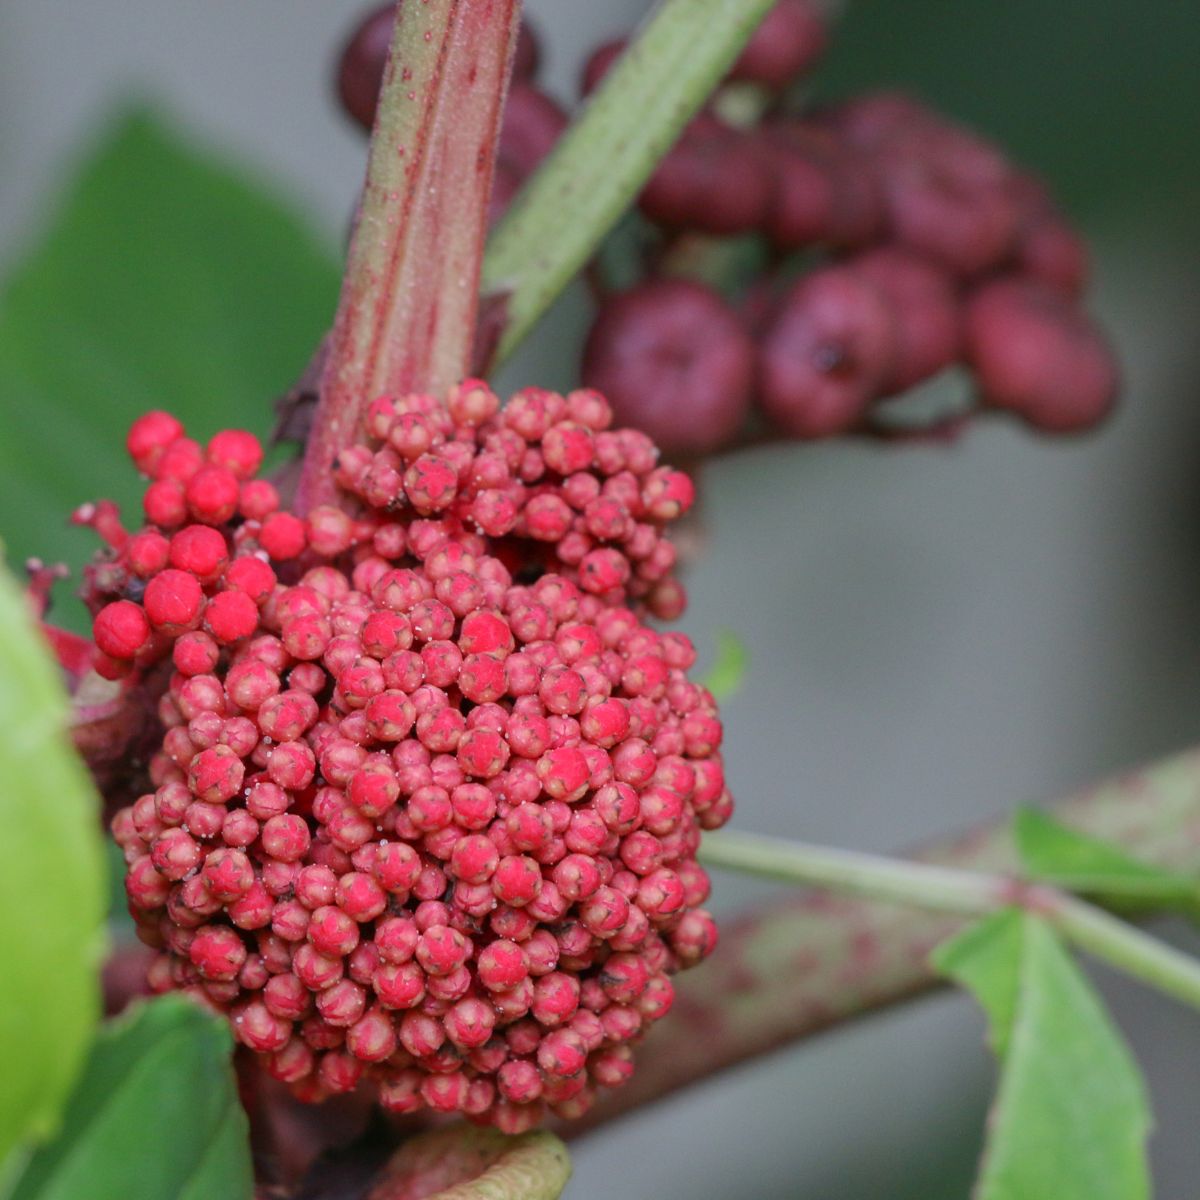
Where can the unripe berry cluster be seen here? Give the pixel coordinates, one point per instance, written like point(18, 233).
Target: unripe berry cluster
point(532, 119)
point(429, 793)
point(934, 250)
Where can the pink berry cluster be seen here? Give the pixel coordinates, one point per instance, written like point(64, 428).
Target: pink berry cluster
point(934, 251)
point(429, 792)
point(532, 119)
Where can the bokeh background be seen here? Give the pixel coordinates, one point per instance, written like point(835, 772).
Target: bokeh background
point(935, 634)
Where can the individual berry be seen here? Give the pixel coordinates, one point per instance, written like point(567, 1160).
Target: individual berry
point(925, 309)
point(791, 37)
point(173, 600)
point(675, 361)
point(826, 354)
point(121, 629)
point(148, 438)
point(715, 180)
point(1035, 355)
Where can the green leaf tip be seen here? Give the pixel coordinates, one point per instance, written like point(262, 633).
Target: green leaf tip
point(726, 675)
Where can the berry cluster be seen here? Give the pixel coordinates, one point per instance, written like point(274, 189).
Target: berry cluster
point(532, 120)
point(429, 791)
point(934, 250)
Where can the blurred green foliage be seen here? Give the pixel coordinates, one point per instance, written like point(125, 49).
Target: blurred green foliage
point(166, 280)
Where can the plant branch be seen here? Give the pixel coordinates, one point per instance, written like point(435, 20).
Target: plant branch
point(812, 959)
point(951, 890)
point(406, 316)
point(601, 163)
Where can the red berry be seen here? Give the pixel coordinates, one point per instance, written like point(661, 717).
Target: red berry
point(173, 601)
point(790, 39)
point(360, 68)
point(237, 450)
point(149, 436)
point(715, 179)
point(200, 550)
point(282, 536)
point(826, 354)
point(675, 361)
point(231, 616)
point(1035, 355)
point(121, 629)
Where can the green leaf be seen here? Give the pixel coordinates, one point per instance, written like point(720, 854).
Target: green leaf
point(1051, 851)
point(156, 1115)
point(984, 958)
point(164, 280)
point(724, 678)
point(52, 888)
point(601, 162)
point(1070, 1119)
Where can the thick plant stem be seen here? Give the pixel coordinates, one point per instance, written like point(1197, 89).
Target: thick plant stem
point(406, 316)
point(812, 959)
point(951, 890)
point(601, 163)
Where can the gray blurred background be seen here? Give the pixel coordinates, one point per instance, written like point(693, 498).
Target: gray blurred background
point(935, 633)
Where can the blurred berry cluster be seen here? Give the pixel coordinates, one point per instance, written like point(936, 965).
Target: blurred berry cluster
point(797, 268)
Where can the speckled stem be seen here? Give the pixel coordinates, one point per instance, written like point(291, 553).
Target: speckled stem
point(406, 315)
point(813, 960)
point(465, 1163)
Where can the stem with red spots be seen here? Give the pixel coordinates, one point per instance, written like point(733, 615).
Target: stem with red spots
point(813, 960)
point(406, 316)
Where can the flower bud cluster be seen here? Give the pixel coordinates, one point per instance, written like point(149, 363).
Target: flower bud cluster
point(429, 793)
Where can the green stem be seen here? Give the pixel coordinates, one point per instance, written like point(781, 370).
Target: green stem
point(597, 168)
point(950, 890)
point(406, 315)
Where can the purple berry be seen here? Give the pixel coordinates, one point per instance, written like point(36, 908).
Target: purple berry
point(823, 191)
point(948, 195)
point(599, 63)
point(1036, 355)
point(360, 68)
point(527, 56)
point(790, 39)
point(826, 354)
point(715, 179)
point(927, 311)
point(674, 361)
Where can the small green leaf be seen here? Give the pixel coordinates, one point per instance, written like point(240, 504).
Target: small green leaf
point(984, 958)
point(1070, 1120)
point(1051, 851)
point(52, 889)
point(724, 678)
point(156, 1116)
point(164, 280)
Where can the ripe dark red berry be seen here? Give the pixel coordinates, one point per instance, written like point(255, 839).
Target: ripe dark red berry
point(360, 67)
point(826, 353)
point(675, 361)
point(792, 36)
point(1036, 355)
point(926, 310)
point(715, 179)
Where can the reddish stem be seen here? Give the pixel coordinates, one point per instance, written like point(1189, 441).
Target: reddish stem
point(407, 312)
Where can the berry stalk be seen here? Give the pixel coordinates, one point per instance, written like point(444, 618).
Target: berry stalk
point(406, 316)
point(810, 961)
